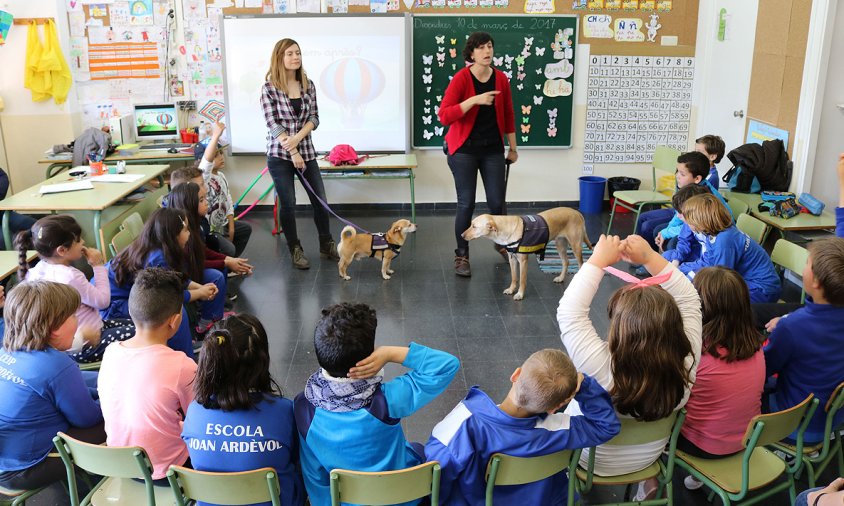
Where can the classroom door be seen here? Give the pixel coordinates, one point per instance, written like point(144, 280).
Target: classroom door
point(726, 68)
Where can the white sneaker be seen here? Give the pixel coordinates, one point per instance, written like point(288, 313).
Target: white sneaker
point(691, 483)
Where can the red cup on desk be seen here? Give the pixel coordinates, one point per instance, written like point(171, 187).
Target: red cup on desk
point(97, 168)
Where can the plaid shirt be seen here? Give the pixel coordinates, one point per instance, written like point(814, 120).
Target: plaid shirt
point(280, 117)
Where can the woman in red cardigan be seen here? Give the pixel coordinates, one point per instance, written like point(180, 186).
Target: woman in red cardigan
point(478, 109)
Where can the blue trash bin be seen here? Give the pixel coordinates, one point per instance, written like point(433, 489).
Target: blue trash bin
point(591, 194)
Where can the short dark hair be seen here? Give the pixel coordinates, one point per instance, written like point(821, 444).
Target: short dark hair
point(828, 268)
point(344, 335)
point(685, 193)
point(234, 365)
point(697, 163)
point(714, 145)
point(184, 175)
point(156, 295)
point(475, 40)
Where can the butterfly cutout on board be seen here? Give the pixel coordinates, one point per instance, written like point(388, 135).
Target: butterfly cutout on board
point(440, 39)
point(521, 76)
point(440, 57)
point(427, 101)
point(440, 49)
point(539, 71)
point(453, 67)
point(436, 109)
point(520, 86)
point(452, 52)
point(427, 110)
point(537, 100)
point(526, 109)
point(520, 60)
point(508, 59)
point(509, 74)
point(439, 98)
point(426, 120)
point(538, 86)
point(525, 119)
point(427, 78)
point(526, 52)
point(525, 129)
point(427, 135)
point(524, 138)
point(498, 61)
point(440, 64)
point(540, 51)
point(453, 41)
point(428, 89)
point(552, 113)
point(552, 132)
point(528, 41)
point(438, 130)
point(426, 70)
point(427, 59)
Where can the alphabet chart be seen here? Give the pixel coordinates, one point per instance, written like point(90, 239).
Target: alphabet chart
point(635, 103)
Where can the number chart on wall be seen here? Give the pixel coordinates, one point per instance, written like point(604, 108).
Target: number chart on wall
point(635, 103)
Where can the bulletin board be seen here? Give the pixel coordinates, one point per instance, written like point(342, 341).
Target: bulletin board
point(537, 53)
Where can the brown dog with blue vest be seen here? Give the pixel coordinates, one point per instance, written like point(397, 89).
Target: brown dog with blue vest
point(523, 235)
point(386, 246)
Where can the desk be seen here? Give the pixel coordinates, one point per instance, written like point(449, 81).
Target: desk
point(143, 157)
point(88, 205)
point(9, 262)
point(376, 167)
point(801, 222)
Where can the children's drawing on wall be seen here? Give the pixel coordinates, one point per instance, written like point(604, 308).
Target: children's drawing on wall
point(630, 5)
point(118, 14)
point(664, 5)
point(597, 26)
point(595, 5)
point(629, 30)
point(193, 9)
point(612, 5)
point(539, 7)
point(97, 10)
point(578, 4)
point(652, 26)
point(647, 5)
point(73, 5)
point(140, 12)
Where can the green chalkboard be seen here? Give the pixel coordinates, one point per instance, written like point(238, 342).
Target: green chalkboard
point(537, 52)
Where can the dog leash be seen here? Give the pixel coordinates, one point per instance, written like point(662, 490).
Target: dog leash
point(308, 187)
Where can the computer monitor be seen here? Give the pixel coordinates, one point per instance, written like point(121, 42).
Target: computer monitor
point(155, 122)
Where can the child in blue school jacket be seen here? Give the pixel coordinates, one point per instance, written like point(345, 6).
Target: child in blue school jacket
point(523, 425)
point(348, 417)
point(727, 246)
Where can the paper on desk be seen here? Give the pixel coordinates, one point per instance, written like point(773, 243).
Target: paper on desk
point(66, 187)
point(117, 178)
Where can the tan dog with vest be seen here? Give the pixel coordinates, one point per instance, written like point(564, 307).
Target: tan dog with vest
point(354, 246)
point(565, 226)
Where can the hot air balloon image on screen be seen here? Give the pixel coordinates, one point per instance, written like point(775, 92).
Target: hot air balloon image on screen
point(156, 121)
point(352, 83)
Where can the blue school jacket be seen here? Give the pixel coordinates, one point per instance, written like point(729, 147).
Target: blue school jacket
point(675, 226)
point(474, 430)
point(370, 438)
point(119, 306)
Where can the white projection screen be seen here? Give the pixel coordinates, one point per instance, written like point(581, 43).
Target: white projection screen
point(359, 64)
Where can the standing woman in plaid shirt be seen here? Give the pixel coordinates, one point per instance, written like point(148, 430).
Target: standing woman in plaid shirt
point(289, 101)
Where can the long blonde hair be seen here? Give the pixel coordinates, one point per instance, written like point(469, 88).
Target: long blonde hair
point(277, 75)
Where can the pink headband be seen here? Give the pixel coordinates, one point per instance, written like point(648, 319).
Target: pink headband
point(638, 283)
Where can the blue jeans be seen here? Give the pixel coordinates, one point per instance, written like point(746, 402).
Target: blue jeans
point(213, 309)
point(649, 221)
point(465, 169)
point(803, 497)
point(282, 172)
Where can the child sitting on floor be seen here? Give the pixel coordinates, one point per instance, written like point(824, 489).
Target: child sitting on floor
point(42, 391)
point(348, 417)
point(726, 245)
point(145, 387)
point(58, 240)
point(525, 424)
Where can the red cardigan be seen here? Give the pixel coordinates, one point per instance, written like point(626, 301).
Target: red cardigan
point(460, 125)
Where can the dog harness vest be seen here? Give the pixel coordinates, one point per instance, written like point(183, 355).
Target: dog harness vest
point(379, 243)
point(534, 238)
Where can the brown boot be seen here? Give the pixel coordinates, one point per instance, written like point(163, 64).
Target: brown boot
point(461, 264)
point(300, 261)
point(328, 249)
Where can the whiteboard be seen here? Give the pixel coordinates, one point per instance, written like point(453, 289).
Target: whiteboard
point(360, 67)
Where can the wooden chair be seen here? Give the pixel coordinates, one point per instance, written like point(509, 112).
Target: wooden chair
point(133, 223)
point(755, 228)
point(737, 207)
point(248, 487)
point(634, 432)
point(387, 487)
point(503, 470)
point(732, 477)
point(120, 241)
point(830, 448)
point(792, 257)
point(14, 497)
point(664, 159)
point(118, 465)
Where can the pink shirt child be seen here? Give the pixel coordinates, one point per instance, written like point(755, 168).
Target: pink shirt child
point(144, 393)
point(724, 398)
point(95, 296)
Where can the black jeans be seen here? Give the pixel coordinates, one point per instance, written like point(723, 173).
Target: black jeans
point(282, 172)
point(51, 469)
point(465, 168)
point(222, 244)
